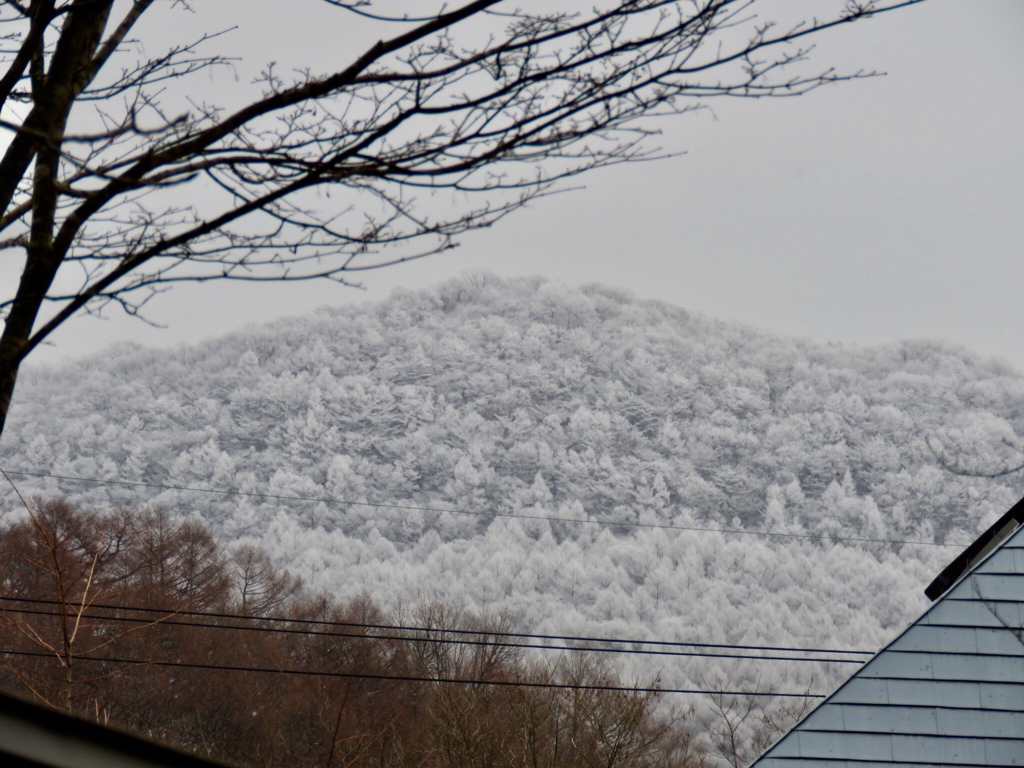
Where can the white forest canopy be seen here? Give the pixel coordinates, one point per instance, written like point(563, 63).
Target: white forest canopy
point(525, 398)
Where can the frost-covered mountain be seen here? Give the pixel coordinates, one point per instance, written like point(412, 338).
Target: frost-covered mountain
point(414, 449)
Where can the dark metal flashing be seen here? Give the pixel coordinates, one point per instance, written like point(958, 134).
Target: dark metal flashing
point(35, 735)
point(985, 543)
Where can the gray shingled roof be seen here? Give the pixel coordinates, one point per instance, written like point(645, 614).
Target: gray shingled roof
point(949, 691)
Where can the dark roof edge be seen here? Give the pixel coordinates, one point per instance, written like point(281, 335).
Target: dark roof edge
point(984, 544)
point(62, 731)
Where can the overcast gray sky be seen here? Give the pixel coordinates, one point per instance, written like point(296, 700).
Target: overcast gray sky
point(865, 212)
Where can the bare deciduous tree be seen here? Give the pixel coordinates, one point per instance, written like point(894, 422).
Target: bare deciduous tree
point(262, 588)
point(129, 617)
point(58, 564)
point(119, 180)
point(743, 726)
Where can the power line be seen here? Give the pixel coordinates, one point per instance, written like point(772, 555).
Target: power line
point(455, 511)
point(439, 640)
point(415, 679)
point(441, 630)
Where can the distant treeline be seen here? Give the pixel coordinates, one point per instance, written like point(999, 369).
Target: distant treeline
point(74, 586)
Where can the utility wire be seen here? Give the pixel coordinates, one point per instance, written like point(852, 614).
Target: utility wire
point(435, 639)
point(414, 679)
point(455, 511)
point(441, 630)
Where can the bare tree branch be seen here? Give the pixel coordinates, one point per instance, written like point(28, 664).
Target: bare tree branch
point(453, 119)
point(955, 465)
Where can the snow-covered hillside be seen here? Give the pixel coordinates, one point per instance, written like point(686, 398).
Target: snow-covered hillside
point(570, 456)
